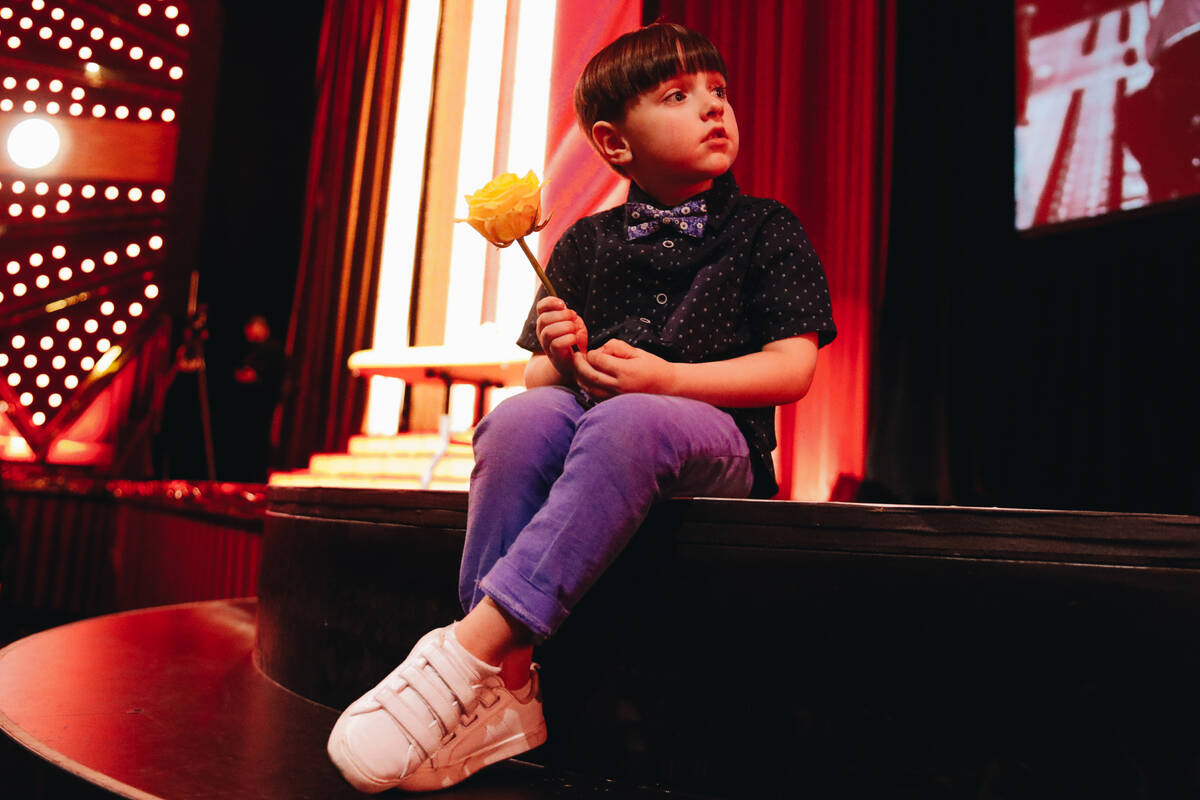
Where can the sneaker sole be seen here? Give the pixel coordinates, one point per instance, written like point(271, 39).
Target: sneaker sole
point(428, 780)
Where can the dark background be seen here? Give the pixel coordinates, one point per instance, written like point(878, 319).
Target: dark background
point(262, 124)
point(1053, 370)
point(250, 235)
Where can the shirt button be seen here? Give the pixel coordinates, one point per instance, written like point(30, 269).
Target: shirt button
point(661, 298)
point(668, 243)
point(646, 321)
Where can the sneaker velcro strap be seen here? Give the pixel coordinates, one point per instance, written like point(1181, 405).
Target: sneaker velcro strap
point(436, 695)
point(458, 677)
point(414, 718)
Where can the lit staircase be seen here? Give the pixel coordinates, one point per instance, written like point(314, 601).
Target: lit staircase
point(388, 462)
point(439, 461)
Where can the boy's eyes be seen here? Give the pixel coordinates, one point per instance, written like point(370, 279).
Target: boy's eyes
point(679, 95)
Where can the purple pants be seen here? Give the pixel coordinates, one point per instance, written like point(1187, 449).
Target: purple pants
point(558, 490)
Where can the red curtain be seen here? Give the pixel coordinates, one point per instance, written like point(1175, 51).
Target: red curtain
point(811, 84)
point(358, 65)
point(578, 182)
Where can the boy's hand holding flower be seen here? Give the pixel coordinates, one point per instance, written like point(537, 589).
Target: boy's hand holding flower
point(559, 330)
point(504, 211)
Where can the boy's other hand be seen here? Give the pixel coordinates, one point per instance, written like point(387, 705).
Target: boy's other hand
point(618, 367)
point(558, 330)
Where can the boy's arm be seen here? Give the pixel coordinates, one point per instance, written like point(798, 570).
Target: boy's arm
point(779, 373)
point(540, 371)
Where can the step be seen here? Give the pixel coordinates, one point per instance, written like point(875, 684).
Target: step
point(168, 703)
point(308, 479)
point(453, 465)
point(778, 649)
point(408, 443)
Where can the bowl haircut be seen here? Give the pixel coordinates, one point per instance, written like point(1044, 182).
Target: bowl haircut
point(636, 62)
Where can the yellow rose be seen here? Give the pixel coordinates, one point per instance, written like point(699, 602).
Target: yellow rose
point(507, 208)
point(506, 211)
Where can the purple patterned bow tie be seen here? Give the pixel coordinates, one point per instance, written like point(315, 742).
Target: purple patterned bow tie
point(689, 218)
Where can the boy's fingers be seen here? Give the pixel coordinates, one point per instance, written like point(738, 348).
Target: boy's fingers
point(603, 362)
point(550, 304)
point(558, 327)
point(550, 332)
point(590, 375)
point(619, 348)
point(551, 317)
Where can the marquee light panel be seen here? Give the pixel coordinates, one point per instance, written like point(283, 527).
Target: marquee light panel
point(90, 100)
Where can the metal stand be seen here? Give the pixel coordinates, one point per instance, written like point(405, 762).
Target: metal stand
point(190, 358)
point(444, 432)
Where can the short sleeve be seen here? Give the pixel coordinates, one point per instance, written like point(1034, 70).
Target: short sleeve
point(788, 293)
point(565, 270)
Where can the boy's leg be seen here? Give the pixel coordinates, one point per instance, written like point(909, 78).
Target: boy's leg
point(519, 452)
point(627, 453)
point(447, 710)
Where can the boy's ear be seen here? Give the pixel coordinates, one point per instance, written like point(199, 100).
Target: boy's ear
point(611, 144)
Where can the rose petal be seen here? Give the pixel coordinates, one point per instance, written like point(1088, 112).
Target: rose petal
point(506, 208)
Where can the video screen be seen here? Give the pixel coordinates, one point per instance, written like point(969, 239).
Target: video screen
point(1108, 107)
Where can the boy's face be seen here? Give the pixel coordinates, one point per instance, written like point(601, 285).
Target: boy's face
point(675, 138)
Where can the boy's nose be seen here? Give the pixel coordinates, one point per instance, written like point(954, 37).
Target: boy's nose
point(716, 108)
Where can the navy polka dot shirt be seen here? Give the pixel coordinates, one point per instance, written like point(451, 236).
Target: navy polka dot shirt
point(753, 278)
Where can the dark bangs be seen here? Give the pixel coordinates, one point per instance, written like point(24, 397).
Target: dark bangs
point(636, 62)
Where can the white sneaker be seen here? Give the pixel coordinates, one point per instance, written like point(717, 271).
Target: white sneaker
point(439, 717)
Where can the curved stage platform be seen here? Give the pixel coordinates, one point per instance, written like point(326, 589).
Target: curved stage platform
point(168, 703)
point(736, 649)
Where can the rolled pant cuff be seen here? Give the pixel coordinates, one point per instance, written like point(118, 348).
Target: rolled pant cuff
point(525, 601)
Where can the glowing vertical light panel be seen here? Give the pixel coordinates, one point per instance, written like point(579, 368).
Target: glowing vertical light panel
point(476, 151)
point(527, 147)
point(405, 182)
point(485, 74)
point(527, 150)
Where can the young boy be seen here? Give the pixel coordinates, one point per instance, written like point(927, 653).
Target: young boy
point(684, 317)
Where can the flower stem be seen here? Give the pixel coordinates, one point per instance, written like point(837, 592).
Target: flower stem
point(537, 267)
point(541, 274)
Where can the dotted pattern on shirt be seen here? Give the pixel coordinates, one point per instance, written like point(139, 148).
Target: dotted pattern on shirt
point(754, 278)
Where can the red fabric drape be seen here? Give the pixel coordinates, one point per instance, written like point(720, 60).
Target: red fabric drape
point(578, 182)
point(811, 85)
point(358, 64)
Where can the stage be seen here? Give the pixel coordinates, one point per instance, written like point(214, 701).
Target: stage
point(873, 651)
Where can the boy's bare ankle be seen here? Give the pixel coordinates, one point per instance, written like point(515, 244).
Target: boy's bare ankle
point(490, 634)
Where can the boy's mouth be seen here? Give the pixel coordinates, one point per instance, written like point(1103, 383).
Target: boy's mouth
point(715, 133)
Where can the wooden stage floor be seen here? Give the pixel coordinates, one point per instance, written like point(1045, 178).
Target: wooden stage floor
point(168, 703)
point(893, 652)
